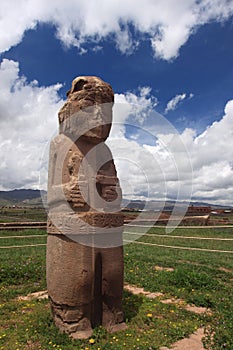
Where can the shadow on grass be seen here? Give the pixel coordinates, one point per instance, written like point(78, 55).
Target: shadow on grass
point(131, 305)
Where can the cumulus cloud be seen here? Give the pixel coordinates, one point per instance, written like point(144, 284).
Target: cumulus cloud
point(153, 160)
point(178, 166)
point(167, 24)
point(27, 121)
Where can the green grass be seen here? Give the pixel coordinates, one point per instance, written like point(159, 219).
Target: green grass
point(199, 277)
point(25, 214)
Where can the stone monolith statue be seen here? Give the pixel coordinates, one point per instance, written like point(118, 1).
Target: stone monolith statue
point(84, 248)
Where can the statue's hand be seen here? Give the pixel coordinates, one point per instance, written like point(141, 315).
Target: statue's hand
point(72, 191)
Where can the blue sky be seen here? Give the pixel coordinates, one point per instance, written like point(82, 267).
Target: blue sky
point(174, 59)
point(204, 68)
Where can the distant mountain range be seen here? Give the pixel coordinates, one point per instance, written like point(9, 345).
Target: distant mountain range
point(30, 197)
point(21, 197)
point(167, 205)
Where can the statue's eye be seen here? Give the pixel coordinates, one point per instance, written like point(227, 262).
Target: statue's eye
point(79, 85)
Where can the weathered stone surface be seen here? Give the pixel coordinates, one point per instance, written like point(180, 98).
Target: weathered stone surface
point(84, 248)
point(104, 219)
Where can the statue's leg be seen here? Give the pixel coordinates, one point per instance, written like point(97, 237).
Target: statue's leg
point(70, 285)
point(112, 288)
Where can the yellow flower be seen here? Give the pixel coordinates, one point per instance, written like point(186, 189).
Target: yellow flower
point(149, 315)
point(91, 341)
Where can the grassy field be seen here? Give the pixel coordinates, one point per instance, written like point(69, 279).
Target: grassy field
point(22, 214)
point(199, 277)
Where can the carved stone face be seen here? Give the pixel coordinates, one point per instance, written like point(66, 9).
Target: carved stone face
point(99, 120)
point(88, 110)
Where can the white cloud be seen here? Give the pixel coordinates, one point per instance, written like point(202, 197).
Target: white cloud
point(138, 104)
point(168, 24)
point(172, 104)
point(97, 48)
point(164, 166)
point(28, 118)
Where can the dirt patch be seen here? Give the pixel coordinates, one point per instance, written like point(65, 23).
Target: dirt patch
point(160, 268)
point(173, 301)
point(198, 309)
point(193, 308)
point(194, 342)
point(225, 270)
point(37, 295)
point(137, 290)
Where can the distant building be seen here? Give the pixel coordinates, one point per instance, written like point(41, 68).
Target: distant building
point(202, 210)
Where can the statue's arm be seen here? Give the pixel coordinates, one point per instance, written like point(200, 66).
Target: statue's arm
point(56, 190)
point(64, 189)
point(109, 183)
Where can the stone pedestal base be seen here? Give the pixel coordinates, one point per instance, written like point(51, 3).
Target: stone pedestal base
point(73, 322)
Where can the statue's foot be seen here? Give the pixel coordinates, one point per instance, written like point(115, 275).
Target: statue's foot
point(82, 334)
